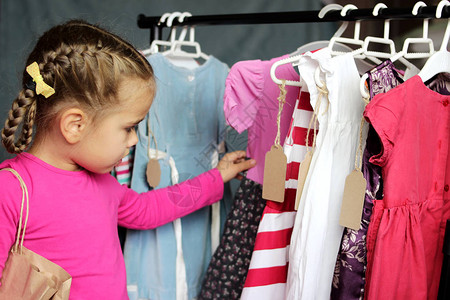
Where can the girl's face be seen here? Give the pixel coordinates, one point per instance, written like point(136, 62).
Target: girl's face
point(110, 139)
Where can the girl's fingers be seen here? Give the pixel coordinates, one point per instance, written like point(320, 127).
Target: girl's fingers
point(233, 156)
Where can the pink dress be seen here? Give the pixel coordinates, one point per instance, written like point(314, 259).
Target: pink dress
point(250, 103)
point(405, 236)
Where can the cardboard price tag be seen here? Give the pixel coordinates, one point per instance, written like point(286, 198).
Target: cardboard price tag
point(153, 173)
point(302, 173)
point(274, 174)
point(353, 200)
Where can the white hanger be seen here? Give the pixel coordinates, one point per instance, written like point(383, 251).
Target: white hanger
point(176, 45)
point(314, 45)
point(384, 40)
point(154, 46)
point(439, 62)
point(392, 55)
point(343, 40)
point(295, 58)
point(404, 52)
point(358, 53)
point(423, 40)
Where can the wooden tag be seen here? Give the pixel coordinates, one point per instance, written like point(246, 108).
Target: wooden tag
point(153, 173)
point(302, 173)
point(353, 201)
point(275, 165)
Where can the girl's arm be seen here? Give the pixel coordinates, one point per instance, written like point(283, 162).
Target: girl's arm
point(158, 207)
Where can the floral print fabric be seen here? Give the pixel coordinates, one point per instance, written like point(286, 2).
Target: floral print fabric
point(349, 275)
point(228, 268)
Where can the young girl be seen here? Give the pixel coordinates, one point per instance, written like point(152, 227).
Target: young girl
point(85, 90)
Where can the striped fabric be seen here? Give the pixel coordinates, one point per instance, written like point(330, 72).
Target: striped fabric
point(123, 170)
point(267, 274)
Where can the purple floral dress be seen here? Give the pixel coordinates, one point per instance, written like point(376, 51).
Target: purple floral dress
point(440, 83)
point(349, 273)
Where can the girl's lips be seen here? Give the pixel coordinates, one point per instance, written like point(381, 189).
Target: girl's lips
point(126, 153)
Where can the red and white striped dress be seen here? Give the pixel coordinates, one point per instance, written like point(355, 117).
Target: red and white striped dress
point(267, 274)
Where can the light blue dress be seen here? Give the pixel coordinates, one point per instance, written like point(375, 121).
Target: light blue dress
point(188, 124)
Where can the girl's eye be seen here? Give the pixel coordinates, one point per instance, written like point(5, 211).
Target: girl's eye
point(130, 129)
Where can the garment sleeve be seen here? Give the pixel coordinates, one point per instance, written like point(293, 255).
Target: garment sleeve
point(243, 90)
point(157, 207)
point(382, 113)
point(10, 201)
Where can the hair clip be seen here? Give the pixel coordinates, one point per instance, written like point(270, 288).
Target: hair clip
point(41, 86)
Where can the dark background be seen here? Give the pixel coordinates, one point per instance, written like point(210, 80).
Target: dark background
point(23, 21)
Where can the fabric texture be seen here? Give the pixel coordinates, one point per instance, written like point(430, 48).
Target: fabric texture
point(74, 216)
point(228, 268)
point(267, 275)
point(124, 169)
point(188, 125)
point(317, 234)
point(349, 273)
point(405, 236)
point(250, 103)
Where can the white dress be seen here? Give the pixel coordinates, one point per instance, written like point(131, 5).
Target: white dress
point(317, 234)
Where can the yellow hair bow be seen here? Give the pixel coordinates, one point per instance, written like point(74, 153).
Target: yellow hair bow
point(41, 86)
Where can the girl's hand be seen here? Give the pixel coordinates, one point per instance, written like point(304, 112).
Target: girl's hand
point(233, 163)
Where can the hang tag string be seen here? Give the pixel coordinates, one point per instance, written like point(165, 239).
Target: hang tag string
point(322, 92)
point(281, 100)
point(150, 134)
point(359, 153)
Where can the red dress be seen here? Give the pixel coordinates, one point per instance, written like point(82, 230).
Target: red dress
point(404, 241)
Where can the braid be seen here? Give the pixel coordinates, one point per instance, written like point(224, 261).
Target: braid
point(23, 110)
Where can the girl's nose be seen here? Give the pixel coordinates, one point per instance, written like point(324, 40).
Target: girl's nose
point(133, 139)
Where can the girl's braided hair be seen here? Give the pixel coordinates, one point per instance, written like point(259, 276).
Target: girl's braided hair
point(84, 64)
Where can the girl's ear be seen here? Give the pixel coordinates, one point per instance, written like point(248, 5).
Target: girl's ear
point(72, 124)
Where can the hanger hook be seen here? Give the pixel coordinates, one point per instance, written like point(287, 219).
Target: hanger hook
point(417, 6)
point(346, 8)
point(163, 18)
point(440, 8)
point(327, 8)
point(344, 12)
point(415, 11)
point(181, 20)
point(172, 17)
point(169, 24)
point(184, 15)
point(376, 12)
point(377, 8)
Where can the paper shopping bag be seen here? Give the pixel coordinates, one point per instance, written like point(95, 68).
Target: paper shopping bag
point(27, 275)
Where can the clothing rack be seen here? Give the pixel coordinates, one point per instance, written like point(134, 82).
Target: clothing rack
point(426, 12)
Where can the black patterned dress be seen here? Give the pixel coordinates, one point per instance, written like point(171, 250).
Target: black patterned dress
point(225, 276)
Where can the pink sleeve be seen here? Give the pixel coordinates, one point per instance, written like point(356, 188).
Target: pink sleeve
point(380, 113)
point(158, 207)
point(10, 201)
point(243, 90)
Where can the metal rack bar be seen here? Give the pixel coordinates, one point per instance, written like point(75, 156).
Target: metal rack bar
point(427, 12)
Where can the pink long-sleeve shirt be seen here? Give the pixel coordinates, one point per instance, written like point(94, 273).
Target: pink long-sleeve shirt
point(73, 218)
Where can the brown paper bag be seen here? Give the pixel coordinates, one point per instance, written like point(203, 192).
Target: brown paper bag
point(27, 275)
